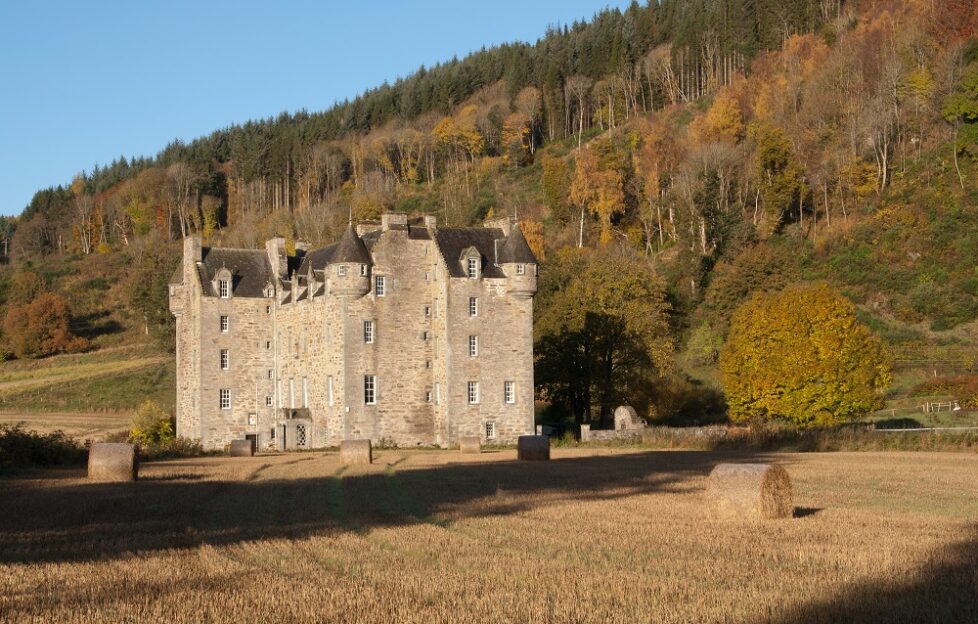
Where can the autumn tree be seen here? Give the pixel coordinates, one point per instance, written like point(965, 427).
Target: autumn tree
point(153, 265)
point(598, 188)
point(602, 330)
point(25, 286)
point(780, 177)
point(42, 327)
point(802, 356)
point(961, 110)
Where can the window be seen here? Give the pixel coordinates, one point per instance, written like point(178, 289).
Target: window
point(424, 335)
point(473, 268)
point(329, 390)
point(268, 401)
point(268, 309)
point(473, 392)
point(380, 284)
point(363, 270)
point(509, 391)
point(341, 270)
point(305, 392)
point(473, 306)
point(292, 393)
point(427, 364)
point(427, 396)
point(520, 269)
point(368, 332)
point(271, 374)
point(473, 346)
point(224, 288)
point(427, 310)
point(225, 399)
point(490, 430)
point(272, 436)
point(252, 418)
point(427, 276)
point(369, 390)
point(225, 324)
point(225, 359)
point(300, 435)
point(268, 344)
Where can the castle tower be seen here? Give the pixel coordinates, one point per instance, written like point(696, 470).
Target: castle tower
point(350, 266)
point(517, 261)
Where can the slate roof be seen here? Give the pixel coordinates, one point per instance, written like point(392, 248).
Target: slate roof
point(515, 249)
point(453, 241)
point(350, 248)
point(250, 270)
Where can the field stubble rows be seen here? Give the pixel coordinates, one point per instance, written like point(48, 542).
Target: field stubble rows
point(597, 535)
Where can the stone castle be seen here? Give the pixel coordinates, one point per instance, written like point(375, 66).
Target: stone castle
point(402, 332)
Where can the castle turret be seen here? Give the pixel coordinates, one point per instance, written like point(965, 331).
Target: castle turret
point(514, 257)
point(348, 270)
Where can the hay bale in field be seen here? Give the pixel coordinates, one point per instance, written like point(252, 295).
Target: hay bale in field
point(355, 452)
point(533, 448)
point(242, 448)
point(470, 444)
point(111, 462)
point(626, 418)
point(750, 491)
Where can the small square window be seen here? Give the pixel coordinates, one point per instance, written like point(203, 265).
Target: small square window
point(268, 401)
point(520, 269)
point(380, 285)
point(252, 418)
point(268, 344)
point(271, 374)
point(341, 270)
point(473, 392)
point(268, 309)
point(225, 395)
point(473, 306)
point(427, 363)
point(427, 396)
point(490, 430)
point(425, 335)
point(363, 270)
point(225, 324)
point(427, 310)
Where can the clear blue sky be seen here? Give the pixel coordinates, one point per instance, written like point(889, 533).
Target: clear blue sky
point(85, 82)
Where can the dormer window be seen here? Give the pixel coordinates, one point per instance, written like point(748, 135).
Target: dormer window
point(472, 268)
point(270, 291)
point(224, 288)
point(520, 269)
point(341, 270)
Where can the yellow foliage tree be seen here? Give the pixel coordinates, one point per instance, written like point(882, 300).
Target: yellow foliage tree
point(802, 356)
point(533, 233)
point(597, 189)
point(723, 122)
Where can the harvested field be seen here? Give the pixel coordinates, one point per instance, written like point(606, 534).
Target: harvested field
point(84, 426)
point(595, 535)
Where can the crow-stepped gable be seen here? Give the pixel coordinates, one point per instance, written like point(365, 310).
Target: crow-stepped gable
point(401, 332)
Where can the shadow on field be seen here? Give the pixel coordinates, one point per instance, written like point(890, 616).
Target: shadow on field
point(82, 521)
point(945, 591)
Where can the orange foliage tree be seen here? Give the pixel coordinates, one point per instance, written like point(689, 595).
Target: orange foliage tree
point(42, 327)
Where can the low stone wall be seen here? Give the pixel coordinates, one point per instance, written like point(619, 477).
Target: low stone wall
point(608, 435)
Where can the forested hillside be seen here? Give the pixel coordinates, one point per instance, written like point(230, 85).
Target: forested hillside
point(693, 151)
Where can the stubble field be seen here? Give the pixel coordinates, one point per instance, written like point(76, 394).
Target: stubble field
point(597, 535)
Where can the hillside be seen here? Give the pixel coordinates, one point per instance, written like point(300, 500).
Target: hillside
point(723, 147)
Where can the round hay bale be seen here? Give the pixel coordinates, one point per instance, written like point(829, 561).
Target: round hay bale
point(470, 444)
point(533, 448)
point(627, 418)
point(750, 491)
point(355, 452)
point(242, 448)
point(113, 462)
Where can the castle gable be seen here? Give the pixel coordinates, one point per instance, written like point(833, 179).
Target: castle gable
point(250, 270)
point(453, 242)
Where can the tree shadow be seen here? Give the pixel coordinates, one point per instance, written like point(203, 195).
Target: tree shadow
point(95, 324)
point(944, 591)
point(85, 521)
